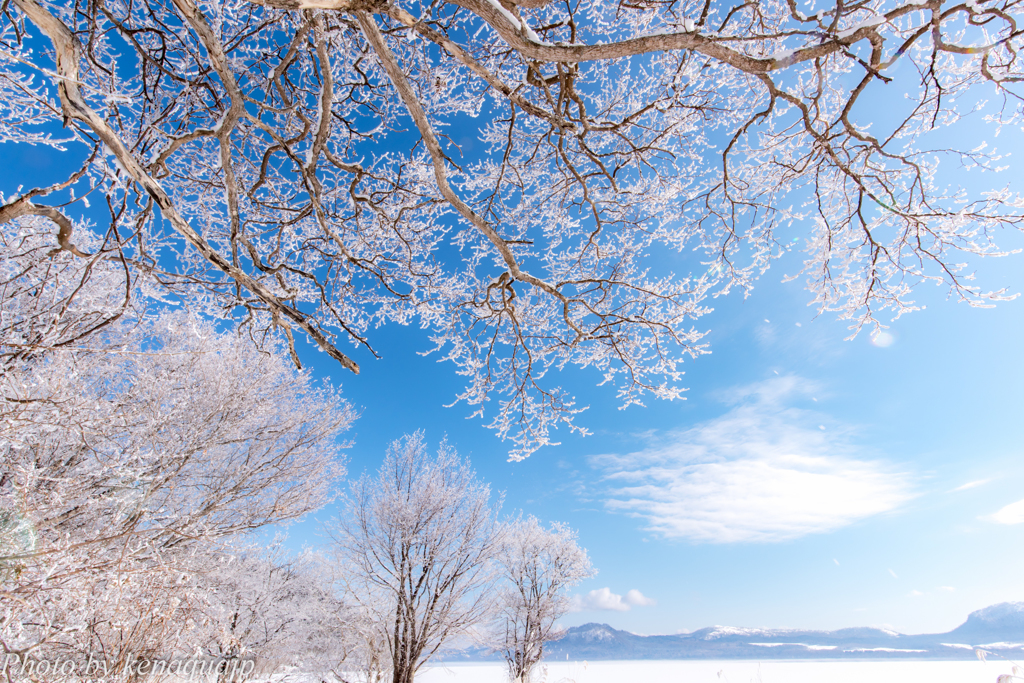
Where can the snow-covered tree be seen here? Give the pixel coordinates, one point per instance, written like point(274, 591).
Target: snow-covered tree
point(414, 546)
point(257, 156)
point(131, 439)
point(538, 566)
point(359, 650)
point(274, 611)
point(48, 298)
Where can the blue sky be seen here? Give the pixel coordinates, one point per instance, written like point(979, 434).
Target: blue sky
point(806, 481)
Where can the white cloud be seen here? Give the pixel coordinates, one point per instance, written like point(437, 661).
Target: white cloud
point(972, 484)
point(604, 599)
point(638, 599)
point(1009, 514)
point(762, 472)
point(893, 574)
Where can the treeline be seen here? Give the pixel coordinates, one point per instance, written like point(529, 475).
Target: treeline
point(140, 445)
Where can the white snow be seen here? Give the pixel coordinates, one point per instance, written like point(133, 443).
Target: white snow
point(734, 671)
point(805, 645)
point(873, 21)
point(719, 631)
point(515, 21)
point(1002, 646)
point(220, 121)
point(881, 649)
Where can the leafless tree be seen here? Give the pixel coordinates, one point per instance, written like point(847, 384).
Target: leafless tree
point(125, 453)
point(365, 648)
point(415, 545)
point(267, 610)
point(537, 566)
point(256, 155)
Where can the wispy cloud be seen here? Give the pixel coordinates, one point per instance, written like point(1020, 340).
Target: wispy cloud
point(1009, 514)
point(604, 599)
point(762, 472)
point(972, 484)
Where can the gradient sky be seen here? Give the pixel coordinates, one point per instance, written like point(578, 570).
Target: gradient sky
point(805, 482)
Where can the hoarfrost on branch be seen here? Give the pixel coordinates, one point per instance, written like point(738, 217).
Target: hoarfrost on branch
point(308, 163)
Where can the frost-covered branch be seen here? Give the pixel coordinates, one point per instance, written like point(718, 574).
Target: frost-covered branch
point(537, 185)
point(132, 441)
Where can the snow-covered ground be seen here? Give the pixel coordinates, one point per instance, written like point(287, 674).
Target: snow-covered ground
point(733, 671)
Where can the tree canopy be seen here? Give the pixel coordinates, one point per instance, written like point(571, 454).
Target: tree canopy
point(517, 178)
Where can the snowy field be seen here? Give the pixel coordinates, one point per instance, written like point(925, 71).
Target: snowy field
point(733, 671)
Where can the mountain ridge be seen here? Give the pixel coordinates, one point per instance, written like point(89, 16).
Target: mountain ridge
point(997, 629)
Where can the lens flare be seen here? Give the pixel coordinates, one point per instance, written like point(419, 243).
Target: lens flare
point(883, 339)
point(17, 536)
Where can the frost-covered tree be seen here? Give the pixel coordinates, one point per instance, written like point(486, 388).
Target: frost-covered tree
point(48, 298)
point(538, 566)
point(357, 648)
point(127, 451)
point(415, 545)
point(511, 174)
point(273, 610)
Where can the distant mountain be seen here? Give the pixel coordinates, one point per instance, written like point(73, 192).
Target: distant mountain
point(600, 641)
point(999, 623)
point(999, 628)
